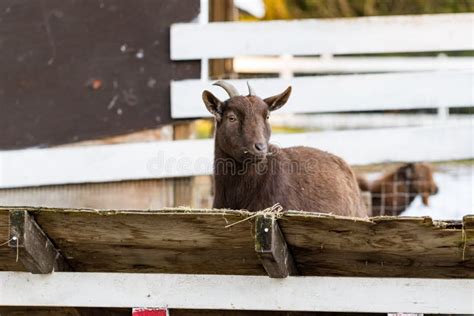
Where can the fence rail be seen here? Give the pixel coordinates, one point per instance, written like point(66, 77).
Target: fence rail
point(219, 292)
point(288, 65)
point(416, 33)
point(341, 93)
point(367, 92)
point(168, 159)
point(363, 121)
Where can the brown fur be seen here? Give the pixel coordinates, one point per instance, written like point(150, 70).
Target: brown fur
point(299, 178)
point(396, 190)
point(363, 183)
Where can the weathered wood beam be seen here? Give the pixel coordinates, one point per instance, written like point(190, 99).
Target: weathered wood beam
point(183, 186)
point(35, 251)
point(272, 249)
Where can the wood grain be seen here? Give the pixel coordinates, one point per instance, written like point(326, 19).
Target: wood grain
point(362, 92)
point(170, 159)
point(272, 249)
point(174, 241)
point(8, 260)
point(80, 70)
point(138, 194)
point(362, 35)
point(380, 246)
point(35, 251)
point(196, 241)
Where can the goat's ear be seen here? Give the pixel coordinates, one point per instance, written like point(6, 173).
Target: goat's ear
point(279, 100)
point(213, 104)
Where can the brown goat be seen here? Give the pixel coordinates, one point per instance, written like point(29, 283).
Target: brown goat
point(250, 173)
point(396, 190)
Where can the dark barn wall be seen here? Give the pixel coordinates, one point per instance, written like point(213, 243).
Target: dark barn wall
point(74, 70)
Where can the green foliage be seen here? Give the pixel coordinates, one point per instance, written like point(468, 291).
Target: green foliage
point(300, 9)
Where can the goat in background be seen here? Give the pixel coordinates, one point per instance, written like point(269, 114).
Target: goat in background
point(396, 190)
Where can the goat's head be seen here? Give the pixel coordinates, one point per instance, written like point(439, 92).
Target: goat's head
point(420, 176)
point(242, 128)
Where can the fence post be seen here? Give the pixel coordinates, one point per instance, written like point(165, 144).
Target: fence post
point(183, 187)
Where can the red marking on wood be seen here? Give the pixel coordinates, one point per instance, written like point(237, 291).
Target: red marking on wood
point(96, 84)
point(150, 312)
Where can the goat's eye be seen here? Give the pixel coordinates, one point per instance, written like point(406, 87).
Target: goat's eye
point(232, 118)
point(268, 116)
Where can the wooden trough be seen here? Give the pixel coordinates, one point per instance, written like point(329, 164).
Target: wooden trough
point(184, 258)
point(194, 241)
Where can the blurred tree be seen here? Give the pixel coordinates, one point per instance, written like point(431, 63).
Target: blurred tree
point(277, 10)
point(301, 9)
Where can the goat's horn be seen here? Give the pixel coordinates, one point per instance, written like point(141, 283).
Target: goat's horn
point(251, 90)
point(230, 89)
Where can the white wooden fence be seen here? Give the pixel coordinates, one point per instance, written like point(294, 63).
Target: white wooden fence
point(34, 167)
point(401, 90)
point(420, 33)
point(415, 90)
point(410, 83)
point(335, 294)
point(167, 159)
point(287, 65)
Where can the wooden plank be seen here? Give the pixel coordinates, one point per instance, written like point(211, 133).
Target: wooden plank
point(340, 121)
point(183, 187)
point(380, 246)
point(35, 250)
point(67, 76)
point(152, 160)
point(341, 93)
point(311, 65)
point(63, 311)
point(122, 195)
point(390, 144)
point(338, 294)
point(167, 241)
point(198, 242)
point(150, 135)
point(138, 194)
point(272, 249)
point(34, 167)
point(439, 32)
point(219, 11)
point(42, 311)
point(8, 260)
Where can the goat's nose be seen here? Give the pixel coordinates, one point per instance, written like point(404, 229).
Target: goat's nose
point(260, 146)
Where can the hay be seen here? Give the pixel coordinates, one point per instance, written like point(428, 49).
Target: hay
point(275, 210)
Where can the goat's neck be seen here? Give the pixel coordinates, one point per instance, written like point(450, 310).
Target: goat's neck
point(239, 185)
point(249, 175)
point(244, 170)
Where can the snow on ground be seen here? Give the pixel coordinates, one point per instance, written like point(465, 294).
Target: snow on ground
point(455, 197)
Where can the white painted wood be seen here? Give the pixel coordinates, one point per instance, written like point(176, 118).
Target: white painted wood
point(340, 121)
point(369, 146)
point(166, 159)
point(253, 7)
point(336, 294)
point(417, 33)
point(204, 19)
point(340, 93)
point(310, 65)
point(105, 163)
